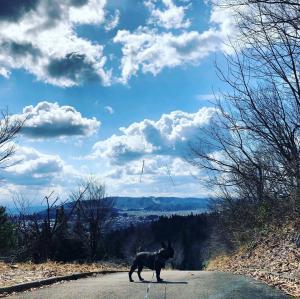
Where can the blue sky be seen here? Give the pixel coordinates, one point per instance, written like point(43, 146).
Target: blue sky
point(82, 70)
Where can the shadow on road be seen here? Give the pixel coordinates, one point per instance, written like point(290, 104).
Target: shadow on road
point(162, 282)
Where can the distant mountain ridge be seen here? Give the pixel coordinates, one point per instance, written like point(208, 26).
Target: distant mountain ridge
point(141, 204)
point(152, 203)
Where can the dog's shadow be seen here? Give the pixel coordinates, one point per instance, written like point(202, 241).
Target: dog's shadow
point(163, 282)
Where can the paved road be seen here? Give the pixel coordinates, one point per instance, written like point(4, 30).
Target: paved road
point(178, 284)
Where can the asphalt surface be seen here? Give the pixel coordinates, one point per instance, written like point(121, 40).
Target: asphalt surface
point(177, 284)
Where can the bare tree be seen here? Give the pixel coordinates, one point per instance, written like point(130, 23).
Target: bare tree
point(252, 148)
point(38, 232)
point(9, 128)
point(22, 205)
point(265, 78)
point(275, 12)
point(96, 210)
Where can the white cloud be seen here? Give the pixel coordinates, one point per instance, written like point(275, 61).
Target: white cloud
point(109, 109)
point(117, 161)
point(88, 12)
point(155, 165)
point(113, 22)
point(168, 136)
point(40, 37)
point(46, 120)
point(32, 167)
point(36, 174)
point(163, 146)
point(171, 17)
point(150, 51)
point(43, 41)
point(4, 72)
point(162, 176)
point(225, 20)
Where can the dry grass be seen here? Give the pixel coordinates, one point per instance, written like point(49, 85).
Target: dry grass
point(219, 262)
point(274, 259)
point(12, 274)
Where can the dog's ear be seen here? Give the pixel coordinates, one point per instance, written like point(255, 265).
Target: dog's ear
point(169, 244)
point(163, 245)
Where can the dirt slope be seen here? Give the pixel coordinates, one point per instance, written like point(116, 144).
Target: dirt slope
point(273, 258)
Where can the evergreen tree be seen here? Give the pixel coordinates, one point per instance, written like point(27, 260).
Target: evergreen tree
point(7, 234)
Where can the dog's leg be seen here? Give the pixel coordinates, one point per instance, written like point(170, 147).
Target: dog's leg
point(140, 268)
point(132, 269)
point(158, 275)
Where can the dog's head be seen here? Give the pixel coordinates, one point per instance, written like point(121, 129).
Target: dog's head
point(167, 251)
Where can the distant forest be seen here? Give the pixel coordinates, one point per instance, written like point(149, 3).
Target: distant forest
point(73, 241)
point(188, 234)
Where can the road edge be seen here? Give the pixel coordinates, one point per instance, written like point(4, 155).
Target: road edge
point(4, 291)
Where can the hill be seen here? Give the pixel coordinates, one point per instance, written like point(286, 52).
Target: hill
point(138, 206)
point(160, 204)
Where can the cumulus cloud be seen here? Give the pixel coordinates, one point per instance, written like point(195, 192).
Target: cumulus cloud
point(20, 49)
point(72, 68)
point(162, 144)
point(150, 51)
point(40, 37)
point(13, 10)
point(155, 165)
point(162, 176)
point(35, 174)
point(169, 136)
point(161, 147)
point(170, 17)
point(33, 167)
point(51, 120)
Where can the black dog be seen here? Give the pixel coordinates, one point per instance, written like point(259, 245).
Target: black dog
point(152, 260)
